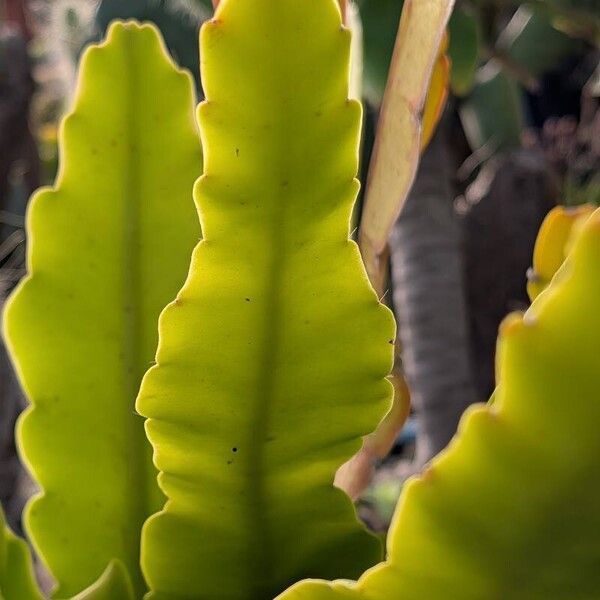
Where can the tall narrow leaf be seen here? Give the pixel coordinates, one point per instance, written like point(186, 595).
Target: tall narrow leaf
point(17, 581)
point(464, 50)
point(109, 247)
point(398, 142)
point(510, 510)
point(272, 360)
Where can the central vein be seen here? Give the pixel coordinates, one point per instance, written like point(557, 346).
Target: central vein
point(139, 465)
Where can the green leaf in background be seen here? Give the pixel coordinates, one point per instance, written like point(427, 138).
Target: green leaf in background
point(17, 580)
point(510, 509)
point(114, 584)
point(109, 247)
point(380, 20)
point(532, 43)
point(265, 380)
point(463, 50)
point(492, 115)
point(588, 7)
point(206, 4)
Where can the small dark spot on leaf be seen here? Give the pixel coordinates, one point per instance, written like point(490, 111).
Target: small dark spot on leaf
point(237, 151)
point(229, 462)
point(392, 342)
point(247, 299)
point(234, 449)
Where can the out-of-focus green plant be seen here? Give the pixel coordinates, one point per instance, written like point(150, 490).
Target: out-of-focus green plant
point(491, 69)
point(492, 114)
point(380, 20)
point(525, 35)
point(527, 48)
point(464, 50)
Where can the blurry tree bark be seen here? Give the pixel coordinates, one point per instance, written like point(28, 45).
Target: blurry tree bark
point(16, 14)
point(427, 276)
point(17, 144)
point(505, 208)
point(10, 471)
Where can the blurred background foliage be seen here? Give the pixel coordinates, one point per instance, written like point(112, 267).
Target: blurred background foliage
point(520, 133)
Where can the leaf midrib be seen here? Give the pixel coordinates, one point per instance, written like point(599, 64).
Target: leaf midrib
point(266, 396)
point(138, 495)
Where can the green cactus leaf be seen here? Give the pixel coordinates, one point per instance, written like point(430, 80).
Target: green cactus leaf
point(380, 20)
point(463, 51)
point(492, 115)
point(266, 379)
point(553, 243)
point(114, 584)
point(109, 247)
point(526, 33)
point(17, 580)
point(510, 509)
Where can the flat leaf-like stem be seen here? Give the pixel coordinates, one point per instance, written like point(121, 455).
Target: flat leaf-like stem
point(510, 509)
point(17, 580)
point(398, 142)
point(109, 246)
point(272, 361)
